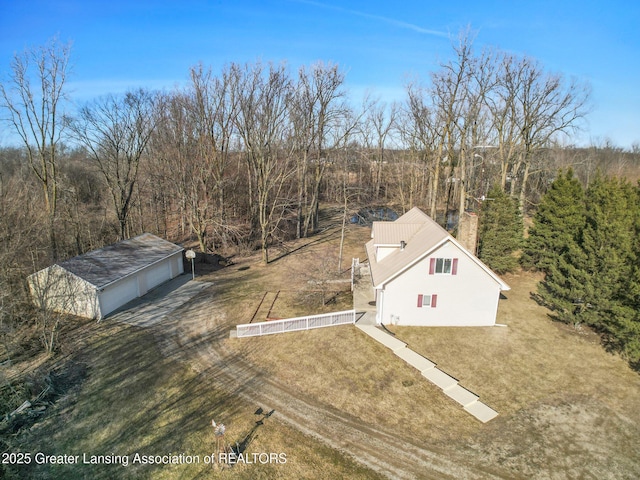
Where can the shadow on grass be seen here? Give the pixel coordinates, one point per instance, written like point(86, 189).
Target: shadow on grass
point(315, 241)
point(138, 397)
point(242, 445)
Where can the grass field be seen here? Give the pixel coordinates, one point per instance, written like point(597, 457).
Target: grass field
point(132, 398)
point(567, 408)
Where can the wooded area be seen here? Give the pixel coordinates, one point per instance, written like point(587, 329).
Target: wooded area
point(245, 158)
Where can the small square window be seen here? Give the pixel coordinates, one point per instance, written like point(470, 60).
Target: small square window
point(427, 301)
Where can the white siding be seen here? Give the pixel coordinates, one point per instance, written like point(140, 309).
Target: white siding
point(117, 294)
point(177, 266)
point(60, 291)
point(143, 286)
point(138, 284)
point(57, 289)
point(157, 274)
point(469, 298)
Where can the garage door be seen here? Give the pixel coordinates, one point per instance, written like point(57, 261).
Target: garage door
point(176, 265)
point(157, 274)
point(118, 294)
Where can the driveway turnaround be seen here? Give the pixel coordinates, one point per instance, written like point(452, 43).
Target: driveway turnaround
point(158, 303)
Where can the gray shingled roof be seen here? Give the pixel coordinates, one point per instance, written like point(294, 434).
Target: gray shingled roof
point(108, 264)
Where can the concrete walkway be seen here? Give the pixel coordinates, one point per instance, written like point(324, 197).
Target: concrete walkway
point(384, 338)
point(363, 296)
point(427, 368)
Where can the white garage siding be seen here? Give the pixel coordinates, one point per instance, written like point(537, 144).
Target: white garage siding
point(157, 274)
point(177, 266)
point(98, 282)
point(117, 294)
point(60, 291)
point(139, 283)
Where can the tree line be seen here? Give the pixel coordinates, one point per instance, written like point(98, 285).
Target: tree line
point(245, 157)
point(586, 241)
point(250, 152)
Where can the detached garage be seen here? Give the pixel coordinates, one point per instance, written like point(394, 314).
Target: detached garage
point(97, 283)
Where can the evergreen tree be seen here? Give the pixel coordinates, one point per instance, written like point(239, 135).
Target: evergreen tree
point(558, 224)
point(608, 241)
point(553, 246)
point(563, 288)
point(596, 277)
point(588, 245)
point(500, 233)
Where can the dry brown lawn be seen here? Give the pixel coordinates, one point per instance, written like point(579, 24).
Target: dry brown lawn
point(567, 408)
point(136, 396)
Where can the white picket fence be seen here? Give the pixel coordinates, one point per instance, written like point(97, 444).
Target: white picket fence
point(296, 324)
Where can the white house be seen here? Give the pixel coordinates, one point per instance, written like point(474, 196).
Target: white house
point(422, 276)
point(96, 283)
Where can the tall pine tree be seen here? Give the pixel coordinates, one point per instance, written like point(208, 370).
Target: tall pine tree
point(563, 289)
point(608, 242)
point(557, 225)
point(553, 247)
point(500, 234)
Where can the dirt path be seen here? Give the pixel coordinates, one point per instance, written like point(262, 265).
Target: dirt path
point(195, 335)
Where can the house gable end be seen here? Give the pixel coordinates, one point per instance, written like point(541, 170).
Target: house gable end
point(424, 243)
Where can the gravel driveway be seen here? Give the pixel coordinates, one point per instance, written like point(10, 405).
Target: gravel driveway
point(197, 333)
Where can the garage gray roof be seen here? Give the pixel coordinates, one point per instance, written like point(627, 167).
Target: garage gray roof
point(113, 262)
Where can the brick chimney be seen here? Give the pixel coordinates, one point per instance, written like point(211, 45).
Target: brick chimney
point(468, 231)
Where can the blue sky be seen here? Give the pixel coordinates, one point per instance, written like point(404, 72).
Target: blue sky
point(121, 44)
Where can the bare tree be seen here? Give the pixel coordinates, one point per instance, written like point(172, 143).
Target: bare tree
point(213, 110)
point(57, 292)
point(378, 126)
point(192, 144)
point(477, 80)
point(115, 131)
point(451, 86)
point(418, 127)
point(543, 106)
point(34, 97)
point(315, 112)
point(20, 241)
point(504, 128)
point(263, 125)
point(173, 152)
